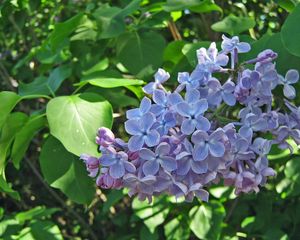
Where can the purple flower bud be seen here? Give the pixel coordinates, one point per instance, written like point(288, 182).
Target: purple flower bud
point(105, 137)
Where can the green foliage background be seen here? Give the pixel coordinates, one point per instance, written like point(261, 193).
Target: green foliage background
point(67, 66)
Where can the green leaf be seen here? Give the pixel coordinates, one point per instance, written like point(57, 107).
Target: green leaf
point(190, 49)
point(109, 82)
point(74, 120)
point(66, 172)
point(112, 18)
point(206, 220)
point(24, 137)
point(116, 96)
point(138, 50)
point(12, 126)
point(193, 5)
point(288, 5)
point(290, 32)
point(113, 197)
point(63, 30)
point(284, 56)
point(45, 230)
point(35, 213)
point(8, 100)
point(111, 22)
point(153, 214)
point(233, 25)
point(177, 229)
point(7, 188)
point(98, 67)
point(46, 86)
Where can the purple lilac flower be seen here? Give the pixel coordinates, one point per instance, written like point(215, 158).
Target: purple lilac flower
point(160, 77)
point(208, 144)
point(291, 77)
point(118, 164)
point(184, 140)
point(219, 93)
point(160, 158)
point(141, 132)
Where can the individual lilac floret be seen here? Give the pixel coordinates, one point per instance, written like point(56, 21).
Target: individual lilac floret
point(142, 132)
point(160, 77)
point(230, 44)
point(105, 137)
point(118, 163)
point(92, 164)
point(291, 77)
point(210, 61)
point(234, 46)
point(139, 112)
point(105, 181)
point(186, 161)
point(219, 93)
point(208, 144)
point(161, 157)
point(192, 110)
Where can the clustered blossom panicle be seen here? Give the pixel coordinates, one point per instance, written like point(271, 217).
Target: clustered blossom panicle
point(183, 141)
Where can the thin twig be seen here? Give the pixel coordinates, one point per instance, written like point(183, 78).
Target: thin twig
point(174, 31)
point(61, 201)
point(230, 212)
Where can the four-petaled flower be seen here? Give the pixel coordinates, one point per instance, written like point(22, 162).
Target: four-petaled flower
point(208, 144)
point(291, 77)
point(161, 157)
point(117, 162)
point(192, 110)
point(142, 132)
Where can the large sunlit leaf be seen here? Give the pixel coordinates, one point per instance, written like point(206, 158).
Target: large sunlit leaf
point(74, 120)
point(109, 82)
point(290, 32)
point(24, 137)
point(65, 171)
point(8, 100)
point(46, 85)
point(193, 5)
point(138, 50)
point(206, 220)
point(233, 25)
point(15, 121)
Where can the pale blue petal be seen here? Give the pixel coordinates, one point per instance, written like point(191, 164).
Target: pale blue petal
point(152, 138)
point(183, 166)
point(229, 99)
point(216, 148)
point(292, 76)
point(129, 167)
point(145, 105)
point(162, 149)
point(188, 126)
point(147, 154)
point(200, 152)
point(117, 170)
point(183, 109)
point(133, 127)
point(149, 88)
point(289, 91)
point(243, 47)
point(159, 97)
point(199, 167)
point(150, 167)
point(203, 123)
point(133, 113)
point(147, 121)
point(168, 163)
point(135, 143)
point(201, 106)
point(192, 96)
point(107, 160)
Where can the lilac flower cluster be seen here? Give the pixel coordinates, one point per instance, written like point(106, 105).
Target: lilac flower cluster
point(218, 124)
